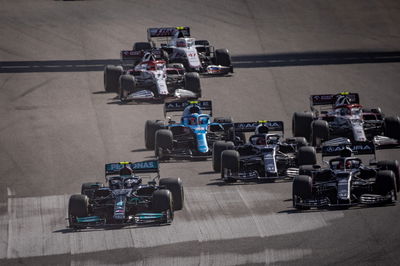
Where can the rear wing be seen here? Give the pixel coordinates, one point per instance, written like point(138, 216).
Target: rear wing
point(329, 99)
point(361, 148)
point(166, 32)
point(251, 126)
point(151, 166)
point(178, 106)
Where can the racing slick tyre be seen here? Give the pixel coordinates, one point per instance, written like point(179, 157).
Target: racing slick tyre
point(306, 155)
point(192, 83)
point(78, 206)
point(391, 127)
point(385, 183)
point(319, 132)
point(301, 189)
point(163, 141)
point(174, 185)
point(301, 125)
point(229, 161)
point(139, 46)
point(222, 57)
point(393, 166)
point(111, 77)
point(223, 120)
point(89, 188)
point(150, 129)
point(126, 86)
point(162, 202)
point(218, 148)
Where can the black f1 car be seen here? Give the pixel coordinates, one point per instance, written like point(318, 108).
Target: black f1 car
point(345, 117)
point(347, 181)
point(192, 137)
point(267, 156)
point(126, 201)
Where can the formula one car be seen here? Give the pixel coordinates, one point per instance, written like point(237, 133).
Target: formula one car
point(190, 138)
point(345, 118)
point(347, 181)
point(195, 55)
point(145, 75)
point(266, 157)
point(126, 201)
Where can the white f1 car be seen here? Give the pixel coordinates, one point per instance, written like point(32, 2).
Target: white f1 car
point(195, 55)
point(150, 78)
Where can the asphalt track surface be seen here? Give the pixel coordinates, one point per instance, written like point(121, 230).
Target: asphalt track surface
point(58, 128)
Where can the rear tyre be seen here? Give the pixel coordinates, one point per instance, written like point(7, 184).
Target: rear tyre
point(163, 142)
point(301, 189)
point(229, 161)
point(192, 83)
point(319, 132)
point(174, 185)
point(162, 202)
point(150, 129)
point(111, 78)
point(126, 86)
point(385, 183)
point(391, 127)
point(301, 125)
point(218, 148)
point(393, 166)
point(139, 46)
point(306, 155)
point(222, 57)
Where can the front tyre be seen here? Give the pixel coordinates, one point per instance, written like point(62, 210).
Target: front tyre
point(174, 185)
point(229, 163)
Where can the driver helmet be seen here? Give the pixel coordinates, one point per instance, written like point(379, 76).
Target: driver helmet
point(261, 129)
point(342, 100)
point(125, 171)
point(181, 42)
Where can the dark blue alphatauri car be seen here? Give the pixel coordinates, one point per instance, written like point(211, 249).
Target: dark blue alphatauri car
point(125, 200)
point(346, 181)
point(193, 136)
